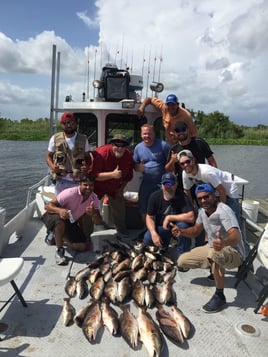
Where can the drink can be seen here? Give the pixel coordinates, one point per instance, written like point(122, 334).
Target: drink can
point(71, 218)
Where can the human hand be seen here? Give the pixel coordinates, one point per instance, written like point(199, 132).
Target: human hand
point(218, 242)
point(64, 213)
point(175, 230)
point(157, 239)
point(166, 223)
point(90, 209)
point(117, 174)
point(140, 166)
point(174, 156)
point(140, 112)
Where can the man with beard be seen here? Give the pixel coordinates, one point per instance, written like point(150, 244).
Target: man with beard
point(68, 154)
point(113, 169)
point(149, 157)
point(71, 216)
point(167, 206)
point(225, 248)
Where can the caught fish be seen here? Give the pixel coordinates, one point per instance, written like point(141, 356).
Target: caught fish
point(117, 256)
point(168, 293)
point(82, 288)
point(110, 290)
point(92, 322)
point(152, 276)
point(150, 333)
point(137, 262)
point(123, 289)
point(129, 327)
point(140, 274)
point(70, 287)
point(148, 296)
point(124, 265)
point(97, 288)
point(83, 273)
point(138, 292)
point(93, 275)
point(169, 276)
point(169, 325)
point(81, 314)
point(182, 321)
point(107, 276)
point(68, 312)
point(110, 318)
point(122, 274)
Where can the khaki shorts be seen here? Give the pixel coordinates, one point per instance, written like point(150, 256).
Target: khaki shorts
point(200, 257)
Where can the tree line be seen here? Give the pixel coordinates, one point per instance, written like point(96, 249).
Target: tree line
point(215, 128)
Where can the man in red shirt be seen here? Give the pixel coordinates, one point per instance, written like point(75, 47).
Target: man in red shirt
point(113, 169)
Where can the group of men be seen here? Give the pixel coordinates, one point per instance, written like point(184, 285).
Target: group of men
point(180, 196)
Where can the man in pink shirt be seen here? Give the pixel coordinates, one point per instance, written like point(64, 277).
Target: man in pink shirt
point(71, 216)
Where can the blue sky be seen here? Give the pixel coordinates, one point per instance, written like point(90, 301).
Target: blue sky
point(214, 53)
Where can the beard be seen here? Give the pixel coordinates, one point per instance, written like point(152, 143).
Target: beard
point(118, 155)
point(169, 194)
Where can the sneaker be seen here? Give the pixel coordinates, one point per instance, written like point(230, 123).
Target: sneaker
point(211, 276)
point(215, 304)
point(50, 238)
point(60, 257)
point(183, 270)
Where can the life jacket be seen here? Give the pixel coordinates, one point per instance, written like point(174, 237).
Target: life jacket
point(69, 161)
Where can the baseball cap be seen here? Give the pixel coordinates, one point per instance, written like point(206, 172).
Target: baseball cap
point(168, 179)
point(67, 116)
point(204, 187)
point(172, 98)
point(187, 153)
point(180, 125)
point(119, 140)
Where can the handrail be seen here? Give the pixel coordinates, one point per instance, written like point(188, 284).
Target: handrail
point(43, 181)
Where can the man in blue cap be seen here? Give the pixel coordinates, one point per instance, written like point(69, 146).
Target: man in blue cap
point(167, 206)
point(224, 249)
point(172, 112)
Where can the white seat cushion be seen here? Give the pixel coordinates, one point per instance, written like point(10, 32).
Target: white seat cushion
point(9, 268)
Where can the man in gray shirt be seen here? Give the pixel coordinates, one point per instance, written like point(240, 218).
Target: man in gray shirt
point(224, 249)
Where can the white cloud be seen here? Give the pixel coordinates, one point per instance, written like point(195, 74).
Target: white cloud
point(214, 55)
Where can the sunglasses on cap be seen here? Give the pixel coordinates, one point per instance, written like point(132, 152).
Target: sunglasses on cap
point(120, 144)
point(184, 163)
point(180, 130)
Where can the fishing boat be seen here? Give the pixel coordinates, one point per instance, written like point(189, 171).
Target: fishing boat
point(38, 329)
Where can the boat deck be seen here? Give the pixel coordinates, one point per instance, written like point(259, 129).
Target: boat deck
point(38, 330)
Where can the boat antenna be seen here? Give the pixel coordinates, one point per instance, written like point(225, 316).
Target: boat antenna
point(122, 51)
point(143, 64)
point(160, 62)
point(52, 94)
point(95, 59)
point(148, 73)
point(57, 91)
point(154, 71)
point(88, 61)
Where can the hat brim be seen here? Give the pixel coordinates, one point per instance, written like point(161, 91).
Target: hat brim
point(168, 183)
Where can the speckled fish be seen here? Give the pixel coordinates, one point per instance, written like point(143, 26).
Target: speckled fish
point(168, 293)
point(138, 262)
point(182, 321)
point(124, 265)
point(129, 327)
point(169, 325)
point(97, 288)
point(110, 290)
point(82, 288)
point(150, 333)
point(93, 275)
point(70, 287)
point(122, 274)
point(148, 296)
point(83, 273)
point(81, 314)
point(124, 288)
point(138, 292)
point(109, 318)
point(68, 312)
point(92, 322)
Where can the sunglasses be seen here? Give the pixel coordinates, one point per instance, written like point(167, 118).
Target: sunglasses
point(185, 163)
point(205, 197)
point(120, 145)
point(180, 130)
point(71, 122)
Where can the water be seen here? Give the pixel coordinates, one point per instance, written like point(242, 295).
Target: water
point(23, 164)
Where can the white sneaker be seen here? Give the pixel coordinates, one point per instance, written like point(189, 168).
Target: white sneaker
point(60, 257)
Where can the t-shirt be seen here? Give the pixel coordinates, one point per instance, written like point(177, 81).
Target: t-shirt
point(215, 177)
point(154, 158)
point(159, 208)
point(71, 199)
point(221, 221)
point(105, 161)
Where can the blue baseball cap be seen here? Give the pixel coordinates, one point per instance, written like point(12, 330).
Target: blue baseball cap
point(168, 179)
point(172, 98)
point(204, 187)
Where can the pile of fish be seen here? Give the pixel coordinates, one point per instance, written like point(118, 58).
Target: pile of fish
point(123, 274)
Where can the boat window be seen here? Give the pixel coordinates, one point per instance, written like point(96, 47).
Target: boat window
point(124, 124)
point(159, 130)
point(88, 125)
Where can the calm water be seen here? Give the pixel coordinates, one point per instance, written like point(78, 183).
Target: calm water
point(23, 164)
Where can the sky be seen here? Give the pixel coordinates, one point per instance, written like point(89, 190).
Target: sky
point(212, 54)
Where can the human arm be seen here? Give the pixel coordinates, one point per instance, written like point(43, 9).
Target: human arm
point(170, 165)
point(222, 192)
point(54, 207)
point(139, 167)
point(232, 238)
point(142, 107)
point(150, 224)
point(212, 162)
point(190, 232)
point(94, 213)
point(115, 174)
point(188, 217)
